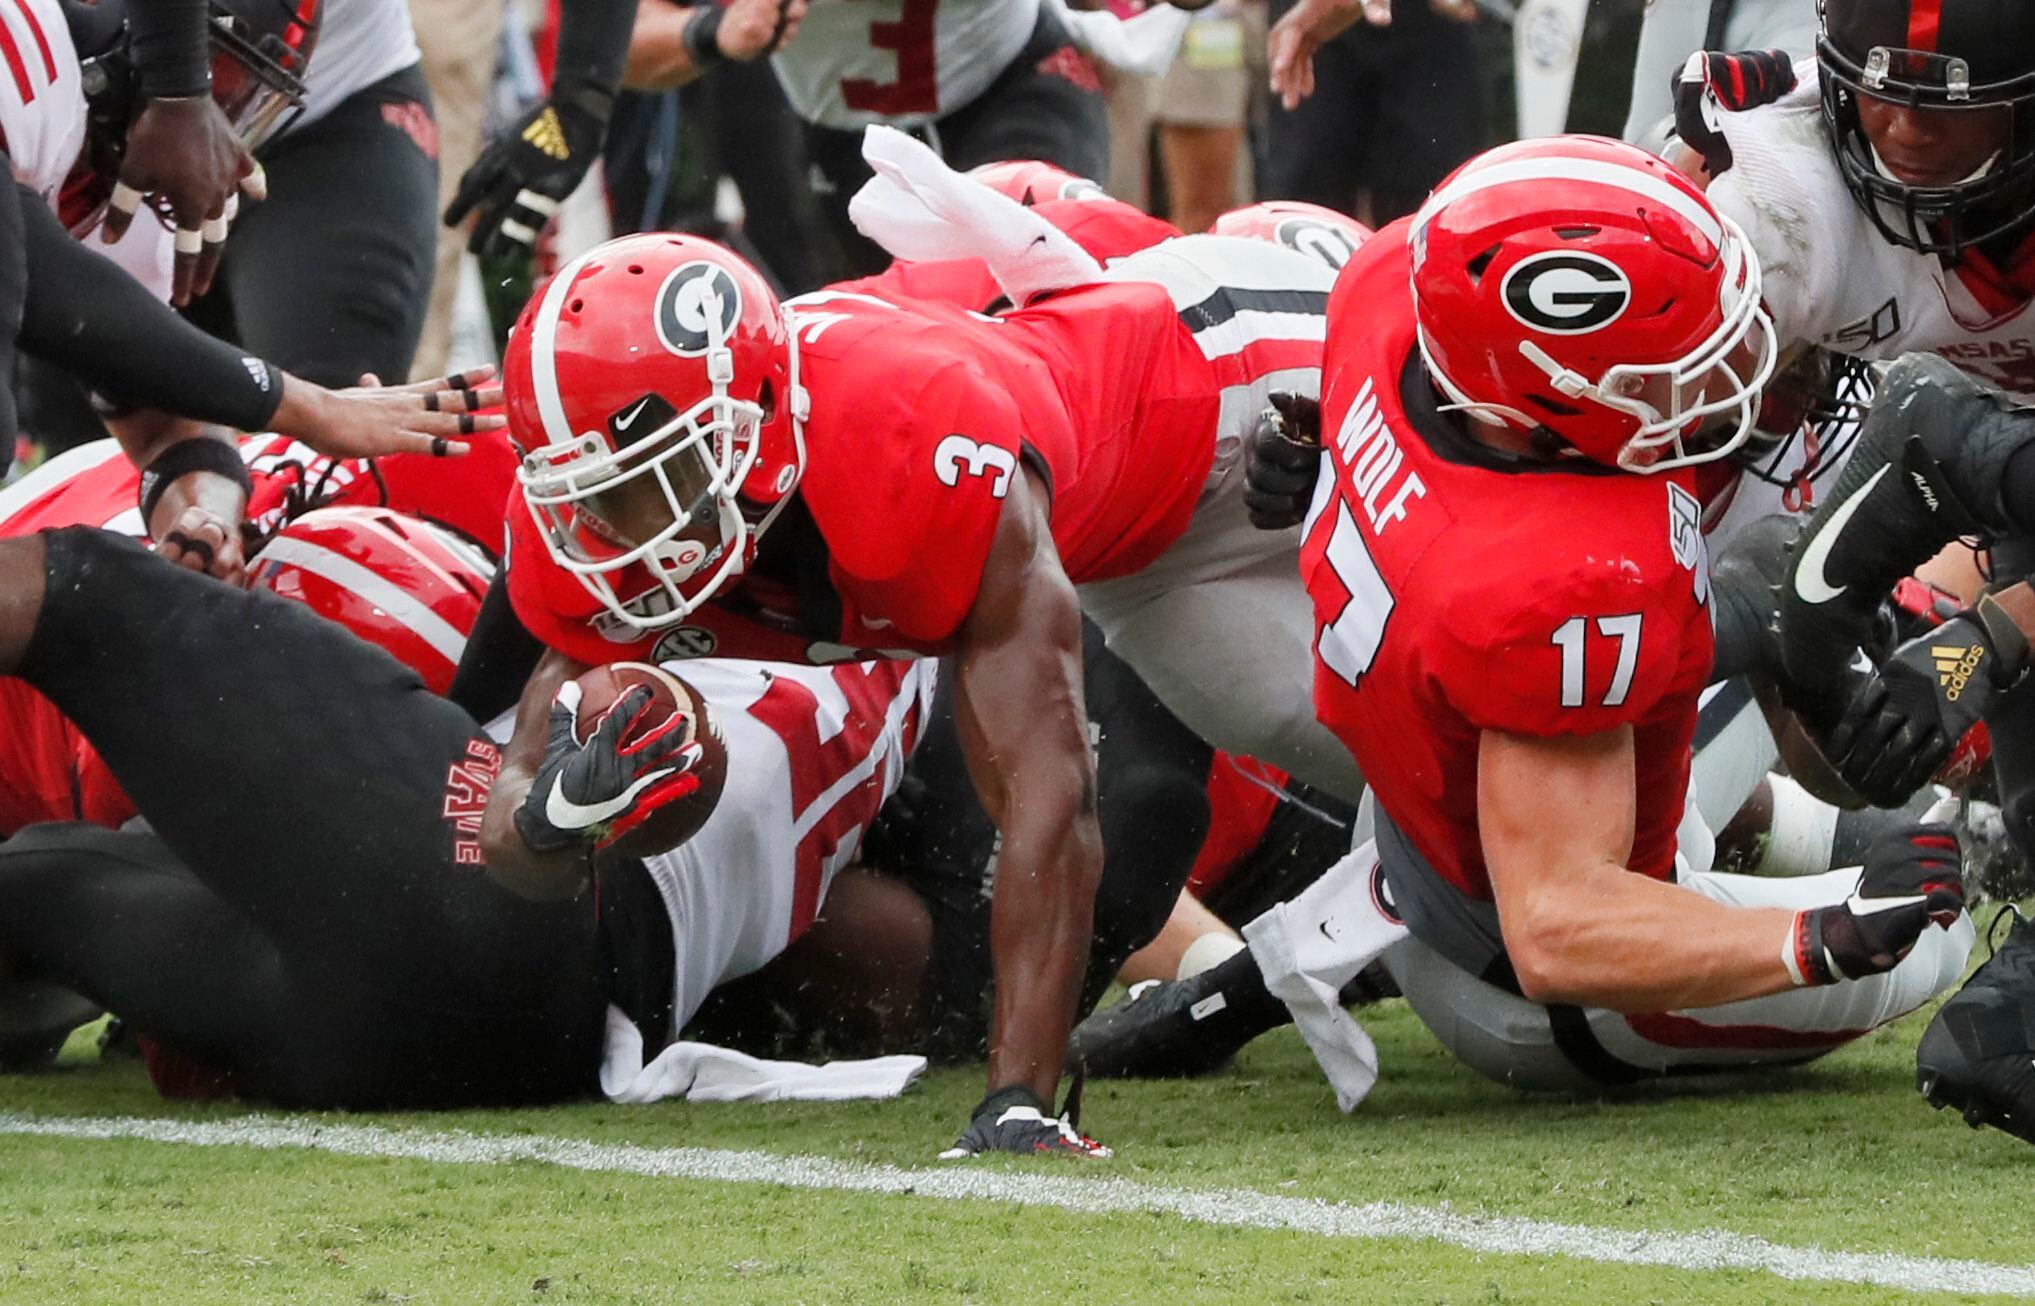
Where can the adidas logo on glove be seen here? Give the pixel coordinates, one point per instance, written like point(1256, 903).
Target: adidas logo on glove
point(1954, 666)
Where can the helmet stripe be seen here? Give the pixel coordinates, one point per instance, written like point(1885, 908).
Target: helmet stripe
point(544, 359)
point(440, 634)
point(1924, 18)
point(1541, 169)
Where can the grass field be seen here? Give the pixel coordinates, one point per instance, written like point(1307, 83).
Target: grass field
point(1841, 1157)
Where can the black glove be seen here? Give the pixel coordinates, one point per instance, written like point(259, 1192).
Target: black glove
point(1735, 82)
point(1282, 461)
point(527, 171)
point(1015, 1119)
point(1911, 880)
point(591, 792)
point(1903, 722)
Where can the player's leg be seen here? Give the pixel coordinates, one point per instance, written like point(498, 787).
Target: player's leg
point(1047, 105)
point(304, 775)
point(1315, 152)
point(330, 277)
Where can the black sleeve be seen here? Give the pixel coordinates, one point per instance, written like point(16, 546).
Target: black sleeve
point(86, 315)
point(593, 42)
point(168, 43)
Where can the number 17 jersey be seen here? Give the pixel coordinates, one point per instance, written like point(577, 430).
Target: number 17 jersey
point(1458, 590)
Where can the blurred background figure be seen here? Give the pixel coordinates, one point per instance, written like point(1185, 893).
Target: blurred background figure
point(1196, 120)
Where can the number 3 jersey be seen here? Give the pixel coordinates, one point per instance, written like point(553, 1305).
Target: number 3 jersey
point(1459, 590)
point(924, 415)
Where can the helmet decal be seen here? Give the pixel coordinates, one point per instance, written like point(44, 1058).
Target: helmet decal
point(1567, 293)
point(683, 325)
point(1321, 241)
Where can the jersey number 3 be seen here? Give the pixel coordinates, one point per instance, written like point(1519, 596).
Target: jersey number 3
point(1569, 638)
point(959, 456)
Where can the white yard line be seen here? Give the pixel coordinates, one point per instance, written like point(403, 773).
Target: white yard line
point(1240, 1207)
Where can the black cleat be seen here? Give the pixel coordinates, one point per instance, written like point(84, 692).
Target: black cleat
point(1171, 1029)
point(1978, 1055)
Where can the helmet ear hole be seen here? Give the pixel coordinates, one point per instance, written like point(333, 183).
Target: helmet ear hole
point(766, 399)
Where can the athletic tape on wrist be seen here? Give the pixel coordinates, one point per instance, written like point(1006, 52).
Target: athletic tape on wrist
point(202, 454)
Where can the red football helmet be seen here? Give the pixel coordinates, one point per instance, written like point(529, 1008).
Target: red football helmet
point(652, 389)
point(1582, 286)
point(398, 582)
point(1320, 233)
point(1031, 181)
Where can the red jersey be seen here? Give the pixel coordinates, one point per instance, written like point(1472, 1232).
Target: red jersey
point(1115, 394)
point(1460, 591)
point(1107, 228)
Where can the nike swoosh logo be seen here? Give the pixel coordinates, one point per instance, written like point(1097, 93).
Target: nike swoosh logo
point(1811, 585)
point(568, 815)
point(625, 422)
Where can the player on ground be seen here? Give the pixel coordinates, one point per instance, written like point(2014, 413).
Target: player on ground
point(269, 955)
point(727, 503)
point(1520, 686)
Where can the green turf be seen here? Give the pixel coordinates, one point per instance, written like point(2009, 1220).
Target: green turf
point(1842, 1155)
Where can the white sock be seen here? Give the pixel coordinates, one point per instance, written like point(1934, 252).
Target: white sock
point(1208, 952)
point(1804, 829)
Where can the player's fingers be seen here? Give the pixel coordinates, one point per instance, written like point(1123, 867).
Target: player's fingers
point(184, 267)
point(121, 207)
point(212, 244)
point(254, 183)
point(369, 381)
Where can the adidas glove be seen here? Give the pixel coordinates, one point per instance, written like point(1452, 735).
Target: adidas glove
point(1902, 723)
point(1015, 1119)
point(526, 172)
point(591, 792)
point(1711, 81)
point(1282, 462)
point(1911, 880)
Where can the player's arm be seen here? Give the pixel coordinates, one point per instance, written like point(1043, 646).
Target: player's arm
point(194, 488)
point(1023, 725)
point(1556, 817)
point(514, 864)
point(674, 44)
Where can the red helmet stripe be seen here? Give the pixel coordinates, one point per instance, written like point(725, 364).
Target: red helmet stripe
point(11, 50)
point(1924, 17)
point(49, 58)
point(406, 608)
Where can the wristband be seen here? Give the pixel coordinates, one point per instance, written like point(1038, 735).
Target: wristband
point(202, 454)
point(702, 36)
point(1803, 953)
point(170, 45)
point(2010, 643)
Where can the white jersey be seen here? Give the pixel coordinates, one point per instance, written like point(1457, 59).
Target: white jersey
point(1830, 277)
point(359, 43)
point(855, 62)
point(42, 102)
point(813, 752)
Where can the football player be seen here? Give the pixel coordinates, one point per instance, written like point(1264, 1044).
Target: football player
point(702, 474)
point(317, 921)
point(1520, 686)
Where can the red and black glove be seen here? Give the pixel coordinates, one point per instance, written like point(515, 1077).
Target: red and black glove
point(1912, 879)
point(590, 792)
point(1711, 81)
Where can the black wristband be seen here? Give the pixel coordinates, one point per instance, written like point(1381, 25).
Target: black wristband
point(701, 36)
point(1010, 1095)
point(171, 47)
point(2010, 644)
point(202, 454)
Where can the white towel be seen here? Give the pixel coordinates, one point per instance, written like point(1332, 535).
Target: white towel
point(921, 210)
point(701, 1072)
point(1143, 45)
point(1309, 948)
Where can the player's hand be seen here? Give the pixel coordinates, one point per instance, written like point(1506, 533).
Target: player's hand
point(1282, 461)
point(1015, 1119)
point(1294, 40)
point(590, 792)
point(750, 29)
point(371, 419)
point(1902, 723)
point(184, 152)
point(201, 540)
point(527, 171)
point(1711, 81)
point(1912, 879)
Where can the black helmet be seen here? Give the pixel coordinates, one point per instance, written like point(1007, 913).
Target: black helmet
point(260, 51)
point(1932, 54)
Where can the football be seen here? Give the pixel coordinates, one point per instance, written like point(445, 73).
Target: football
point(678, 820)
